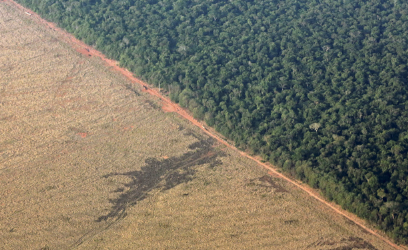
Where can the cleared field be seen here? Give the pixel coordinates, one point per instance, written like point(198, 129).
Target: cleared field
point(90, 161)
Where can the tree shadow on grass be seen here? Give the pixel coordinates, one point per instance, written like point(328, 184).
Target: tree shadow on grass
point(161, 174)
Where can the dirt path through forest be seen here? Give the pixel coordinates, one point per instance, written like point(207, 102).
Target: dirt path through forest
point(169, 106)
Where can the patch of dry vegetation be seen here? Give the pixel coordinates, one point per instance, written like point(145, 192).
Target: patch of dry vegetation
point(88, 161)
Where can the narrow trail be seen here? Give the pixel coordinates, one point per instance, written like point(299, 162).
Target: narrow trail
point(169, 106)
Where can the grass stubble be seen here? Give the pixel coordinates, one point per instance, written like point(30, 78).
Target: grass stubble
point(89, 161)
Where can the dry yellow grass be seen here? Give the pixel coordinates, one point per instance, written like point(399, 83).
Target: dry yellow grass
point(88, 163)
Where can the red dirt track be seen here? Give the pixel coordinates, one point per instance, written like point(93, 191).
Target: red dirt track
point(169, 106)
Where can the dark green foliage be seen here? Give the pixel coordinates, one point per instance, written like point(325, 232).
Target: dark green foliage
point(316, 87)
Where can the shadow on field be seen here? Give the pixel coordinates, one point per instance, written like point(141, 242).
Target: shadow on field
point(162, 174)
point(350, 244)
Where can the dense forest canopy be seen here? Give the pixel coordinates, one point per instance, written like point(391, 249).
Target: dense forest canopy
point(317, 87)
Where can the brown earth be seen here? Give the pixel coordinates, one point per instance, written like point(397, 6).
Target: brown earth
point(88, 160)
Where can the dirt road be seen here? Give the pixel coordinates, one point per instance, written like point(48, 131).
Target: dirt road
point(172, 107)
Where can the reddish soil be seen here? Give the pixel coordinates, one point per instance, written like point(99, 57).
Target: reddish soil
point(172, 107)
point(83, 135)
point(168, 108)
